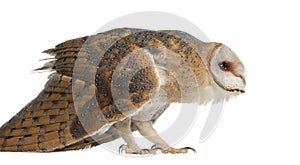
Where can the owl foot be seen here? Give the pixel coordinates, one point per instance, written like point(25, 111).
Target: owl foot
point(136, 150)
point(171, 150)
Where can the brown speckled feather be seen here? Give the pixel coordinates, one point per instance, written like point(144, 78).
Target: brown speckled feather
point(88, 91)
point(43, 124)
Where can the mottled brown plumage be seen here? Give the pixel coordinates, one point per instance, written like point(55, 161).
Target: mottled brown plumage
point(104, 82)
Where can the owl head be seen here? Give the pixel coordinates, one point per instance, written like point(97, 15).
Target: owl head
point(227, 72)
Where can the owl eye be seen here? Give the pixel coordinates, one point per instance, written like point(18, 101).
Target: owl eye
point(224, 66)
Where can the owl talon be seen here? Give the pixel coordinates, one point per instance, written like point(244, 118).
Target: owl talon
point(155, 147)
point(173, 150)
point(121, 148)
point(190, 148)
point(135, 150)
point(178, 150)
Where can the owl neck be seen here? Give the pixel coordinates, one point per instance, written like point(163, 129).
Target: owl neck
point(186, 78)
point(182, 92)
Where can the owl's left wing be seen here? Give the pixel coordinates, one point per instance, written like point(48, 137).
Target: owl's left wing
point(66, 112)
point(45, 124)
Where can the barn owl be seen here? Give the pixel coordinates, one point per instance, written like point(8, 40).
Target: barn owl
point(106, 86)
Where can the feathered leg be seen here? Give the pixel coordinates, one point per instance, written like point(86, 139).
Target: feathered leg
point(146, 129)
point(131, 147)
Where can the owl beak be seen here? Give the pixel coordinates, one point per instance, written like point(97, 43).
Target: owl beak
point(244, 84)
point(243, 79)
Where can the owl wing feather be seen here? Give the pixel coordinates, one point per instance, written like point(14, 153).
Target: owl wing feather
point(50, 122)
point(44, 124)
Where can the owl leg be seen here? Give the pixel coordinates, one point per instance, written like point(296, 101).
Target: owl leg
point(146, 129)
point(131, 147)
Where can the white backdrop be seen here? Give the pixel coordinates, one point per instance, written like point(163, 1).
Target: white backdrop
point(260, 127)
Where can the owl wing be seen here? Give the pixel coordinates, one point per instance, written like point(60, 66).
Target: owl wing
point(45, 124)
point(50, 122)
point(67, 111)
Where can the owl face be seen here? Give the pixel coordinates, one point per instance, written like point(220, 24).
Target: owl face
point(228, 73)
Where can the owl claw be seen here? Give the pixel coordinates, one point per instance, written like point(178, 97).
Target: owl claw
point(121, 148)
point(155, 147)
point(190, 148)
point(135, 150)
point(173, 150)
